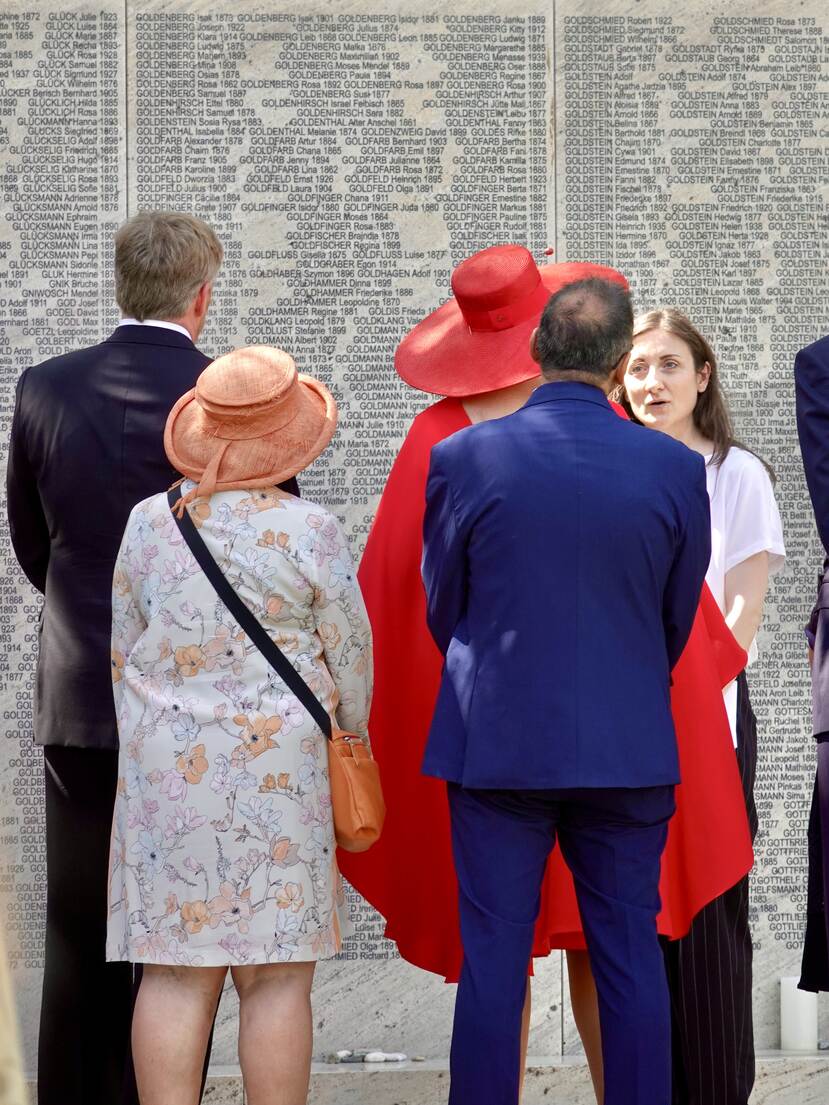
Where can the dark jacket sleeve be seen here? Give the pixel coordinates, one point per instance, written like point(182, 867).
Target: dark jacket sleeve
point(687, 575)
point(811, 379)
point(27, 522)
point(444, 556)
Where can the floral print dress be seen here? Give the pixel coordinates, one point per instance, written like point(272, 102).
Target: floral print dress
point(223, 845)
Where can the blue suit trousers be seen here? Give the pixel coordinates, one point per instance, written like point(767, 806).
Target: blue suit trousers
point(612, 841)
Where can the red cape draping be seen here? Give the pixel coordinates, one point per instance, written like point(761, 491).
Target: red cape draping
point(408, 875)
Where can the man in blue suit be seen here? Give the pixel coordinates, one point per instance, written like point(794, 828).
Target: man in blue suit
point(564, 554)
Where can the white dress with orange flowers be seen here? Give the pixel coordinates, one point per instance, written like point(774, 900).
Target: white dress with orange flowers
point(222, 838)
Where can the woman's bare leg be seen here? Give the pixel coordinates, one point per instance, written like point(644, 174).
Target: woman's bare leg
point(171, 1024)
point(525, 1035)
point(275, 1031)
point(585, 1004)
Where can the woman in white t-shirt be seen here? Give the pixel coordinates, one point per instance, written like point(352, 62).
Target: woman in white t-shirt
point(670, 383)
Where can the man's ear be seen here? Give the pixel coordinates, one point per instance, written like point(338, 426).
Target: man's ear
point(202, 301)
point(534, 346)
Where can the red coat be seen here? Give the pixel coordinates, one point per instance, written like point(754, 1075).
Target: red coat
point(408, 875)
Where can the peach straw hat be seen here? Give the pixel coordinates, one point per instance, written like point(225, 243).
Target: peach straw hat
point(251, 420)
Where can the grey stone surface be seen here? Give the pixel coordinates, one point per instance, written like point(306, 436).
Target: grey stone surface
point(781, 1080)
point(224, 1087)
point(792, 1080)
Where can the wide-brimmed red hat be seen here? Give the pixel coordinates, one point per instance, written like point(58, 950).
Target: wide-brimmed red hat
point(480, 339)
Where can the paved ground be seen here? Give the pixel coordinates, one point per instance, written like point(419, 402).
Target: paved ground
point(783, 1079)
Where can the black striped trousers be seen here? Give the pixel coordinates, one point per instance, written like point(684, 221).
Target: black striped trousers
point(709, 974)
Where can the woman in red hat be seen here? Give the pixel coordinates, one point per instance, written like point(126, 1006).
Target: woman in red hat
point(474, 350)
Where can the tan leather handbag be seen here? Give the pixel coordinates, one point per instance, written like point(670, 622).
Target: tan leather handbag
point(356, 794)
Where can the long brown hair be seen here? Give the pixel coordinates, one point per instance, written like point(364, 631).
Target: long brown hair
point(711, 414)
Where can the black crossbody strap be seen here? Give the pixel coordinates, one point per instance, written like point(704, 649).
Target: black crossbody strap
point(247, 621)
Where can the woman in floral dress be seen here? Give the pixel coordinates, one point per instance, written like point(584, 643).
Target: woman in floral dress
point(223, 851)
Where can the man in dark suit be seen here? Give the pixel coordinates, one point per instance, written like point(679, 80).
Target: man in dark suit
point(811, 375)
point(565, 550)
point(86, 446)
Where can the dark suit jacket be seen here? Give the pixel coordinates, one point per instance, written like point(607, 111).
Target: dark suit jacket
point(811, 376)
point(86, 446)
point(564, 553)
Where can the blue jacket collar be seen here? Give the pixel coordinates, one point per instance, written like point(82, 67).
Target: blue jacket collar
point(562, 389)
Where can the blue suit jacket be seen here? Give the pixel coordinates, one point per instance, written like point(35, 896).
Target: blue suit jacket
point(811, 375)
point(564, 553)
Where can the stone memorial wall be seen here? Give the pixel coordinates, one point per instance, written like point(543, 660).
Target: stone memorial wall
point(349, 154)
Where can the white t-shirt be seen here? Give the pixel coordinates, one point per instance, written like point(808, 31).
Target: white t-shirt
point(744, 521)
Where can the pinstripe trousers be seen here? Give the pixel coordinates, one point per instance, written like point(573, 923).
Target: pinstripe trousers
point(709, 974)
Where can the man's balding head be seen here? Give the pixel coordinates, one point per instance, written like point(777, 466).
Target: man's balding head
point(585, 330)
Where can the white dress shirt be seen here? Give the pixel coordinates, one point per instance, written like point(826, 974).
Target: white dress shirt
point(157, 322)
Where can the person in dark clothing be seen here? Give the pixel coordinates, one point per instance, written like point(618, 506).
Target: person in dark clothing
point(811, 377)
point(86, 446)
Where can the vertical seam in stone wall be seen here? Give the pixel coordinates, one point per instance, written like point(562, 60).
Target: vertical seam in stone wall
point(561, 1032)
point(554, 133)
point(126, 109)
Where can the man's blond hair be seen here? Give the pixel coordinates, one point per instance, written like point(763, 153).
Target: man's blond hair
point(162, 258)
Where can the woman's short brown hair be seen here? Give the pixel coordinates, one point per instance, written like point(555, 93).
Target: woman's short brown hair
point(162, 258)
